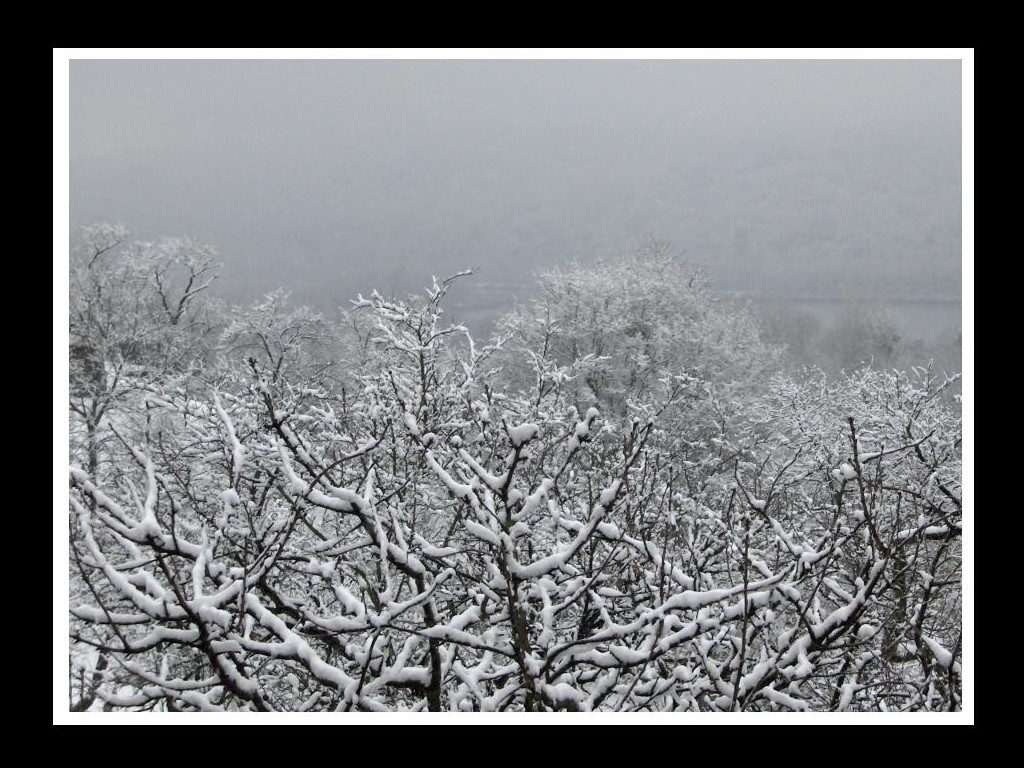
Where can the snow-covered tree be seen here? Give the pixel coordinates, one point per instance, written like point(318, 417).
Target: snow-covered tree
point(434, 540)
point(290, 343)
point(621, 326)
point(864, 335)
point(137, 314)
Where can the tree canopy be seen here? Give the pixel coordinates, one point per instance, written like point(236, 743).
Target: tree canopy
point(615, 504)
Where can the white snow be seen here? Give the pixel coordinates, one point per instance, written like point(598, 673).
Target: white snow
point(484, 534)
point(608, 494)
point(410, 423)
point(866, 632)
point(844, 472)
point(942, 656)
point(522, 434)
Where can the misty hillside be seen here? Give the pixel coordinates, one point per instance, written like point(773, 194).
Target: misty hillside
point(794, 220)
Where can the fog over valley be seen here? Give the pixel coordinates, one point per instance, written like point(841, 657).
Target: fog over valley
point(819, 180)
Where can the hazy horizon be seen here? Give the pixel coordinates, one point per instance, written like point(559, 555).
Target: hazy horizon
point(328, 178)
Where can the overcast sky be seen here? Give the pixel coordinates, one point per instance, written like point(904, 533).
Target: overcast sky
point(333, 177)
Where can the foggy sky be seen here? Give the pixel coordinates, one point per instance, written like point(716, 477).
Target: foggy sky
point(335, 177)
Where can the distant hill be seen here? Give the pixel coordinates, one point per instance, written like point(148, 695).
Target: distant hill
point(869, 216)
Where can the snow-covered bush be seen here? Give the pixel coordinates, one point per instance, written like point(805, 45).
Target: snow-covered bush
point(137, 315)
point(291, 343)
point(435, 544)
point(621, 326)
point(481, 527)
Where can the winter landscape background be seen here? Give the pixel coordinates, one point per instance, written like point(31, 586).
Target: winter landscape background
point(498, 386)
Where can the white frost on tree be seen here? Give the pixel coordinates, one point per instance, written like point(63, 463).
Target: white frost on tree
point(459, 528)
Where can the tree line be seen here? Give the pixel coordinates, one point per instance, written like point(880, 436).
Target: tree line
point(617, 502)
